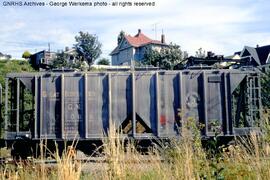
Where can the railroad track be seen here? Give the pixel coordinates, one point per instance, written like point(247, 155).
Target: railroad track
point(10, 160)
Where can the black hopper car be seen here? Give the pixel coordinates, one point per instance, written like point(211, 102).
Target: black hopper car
point(64, 106)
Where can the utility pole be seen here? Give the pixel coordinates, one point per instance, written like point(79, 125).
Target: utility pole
point(132, 63)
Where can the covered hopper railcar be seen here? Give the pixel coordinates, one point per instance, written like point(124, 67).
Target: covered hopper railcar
point(59, 106)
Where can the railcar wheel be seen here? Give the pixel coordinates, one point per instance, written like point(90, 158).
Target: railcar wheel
point(21, 149)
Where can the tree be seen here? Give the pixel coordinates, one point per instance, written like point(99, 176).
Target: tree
point(88, 47)
point(120, 36)
point(103, 61)
point(152, 57)
point(60, 60)
point(26, 55)
point(200, 53)
point(167, 58)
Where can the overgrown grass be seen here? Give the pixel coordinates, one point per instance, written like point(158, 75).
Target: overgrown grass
point(185, 158)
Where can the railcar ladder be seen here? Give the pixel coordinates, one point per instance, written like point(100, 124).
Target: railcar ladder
point(253, 100)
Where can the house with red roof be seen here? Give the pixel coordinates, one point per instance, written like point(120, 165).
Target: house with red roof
point(133, 48)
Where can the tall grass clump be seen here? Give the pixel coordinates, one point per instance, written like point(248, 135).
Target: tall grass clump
point(186, 159)
point(114, 151)
point(123, 159)
point(68, 168)
point(249, 158)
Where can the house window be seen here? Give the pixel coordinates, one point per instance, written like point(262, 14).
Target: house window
point(71, 57)
point(42, 60)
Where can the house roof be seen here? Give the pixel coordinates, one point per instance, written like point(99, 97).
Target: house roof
point(237, 53)
point(251, 51)
point(263, 53)
point(259, 54)
point(138, 40)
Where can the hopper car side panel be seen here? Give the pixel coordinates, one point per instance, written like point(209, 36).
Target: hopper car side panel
point(141, 104)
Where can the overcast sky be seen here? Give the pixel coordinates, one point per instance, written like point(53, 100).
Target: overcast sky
point(222, 26)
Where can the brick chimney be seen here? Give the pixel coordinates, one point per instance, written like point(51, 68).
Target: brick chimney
point(162, 38)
